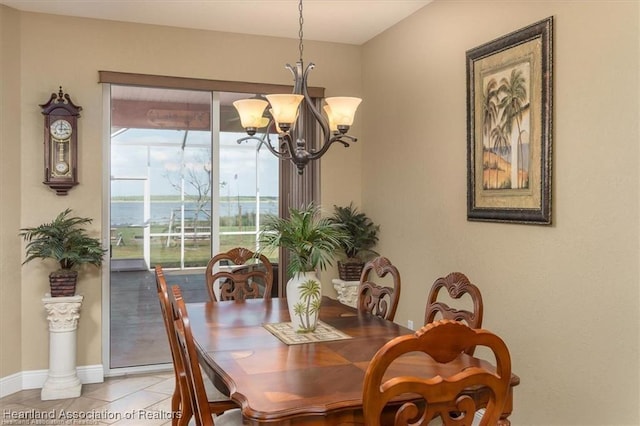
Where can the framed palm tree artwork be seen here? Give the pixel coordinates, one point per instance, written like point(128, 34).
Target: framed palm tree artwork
point(509, 127)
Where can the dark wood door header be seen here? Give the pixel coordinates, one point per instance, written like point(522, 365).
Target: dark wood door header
point(148, 80)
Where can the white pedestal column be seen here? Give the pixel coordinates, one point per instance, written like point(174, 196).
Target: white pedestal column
point(63, 314)
point(347, 291)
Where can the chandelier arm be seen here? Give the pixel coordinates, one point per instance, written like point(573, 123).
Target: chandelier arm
point(266, 141)
point(340, 139)
point(297, 76)
point(324, 123)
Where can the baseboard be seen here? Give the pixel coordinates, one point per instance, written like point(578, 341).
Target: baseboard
point(144, 369)
point(34, 379)
point(10, 384)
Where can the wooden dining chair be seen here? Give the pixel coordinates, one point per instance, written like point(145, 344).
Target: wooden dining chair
point(248, 276)
point(204, 416)
point(448, 395)
point(457, 285)
point(180, 399)
point(379, 299)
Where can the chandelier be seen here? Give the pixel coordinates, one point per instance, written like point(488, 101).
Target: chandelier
point(284, 113)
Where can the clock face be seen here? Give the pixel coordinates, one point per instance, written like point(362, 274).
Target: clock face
point(61, 129)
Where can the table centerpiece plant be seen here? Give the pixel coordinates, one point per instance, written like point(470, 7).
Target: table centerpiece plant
point(67, 242)
point(311, 241)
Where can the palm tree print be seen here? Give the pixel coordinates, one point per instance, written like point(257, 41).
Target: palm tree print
point(490, 130)
point(490, 110)
point(513, 103)
point(309, 306)
point(503, 105)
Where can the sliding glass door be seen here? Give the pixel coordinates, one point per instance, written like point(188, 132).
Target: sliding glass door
point(181, 189)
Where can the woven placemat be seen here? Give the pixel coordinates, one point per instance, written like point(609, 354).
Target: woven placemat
point(323, 333)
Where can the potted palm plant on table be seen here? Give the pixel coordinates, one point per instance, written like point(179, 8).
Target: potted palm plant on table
point(357, 247)
point(65, 241)
point(311, 241)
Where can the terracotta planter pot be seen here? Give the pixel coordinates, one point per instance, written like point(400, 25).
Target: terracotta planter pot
point(63, 283)
point(350, 271)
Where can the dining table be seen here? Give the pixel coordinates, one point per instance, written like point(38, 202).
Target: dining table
point(314, 382)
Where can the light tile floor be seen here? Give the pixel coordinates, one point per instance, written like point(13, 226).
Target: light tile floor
point(140, 400)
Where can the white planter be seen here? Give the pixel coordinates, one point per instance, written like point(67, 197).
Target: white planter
point(303, 299)
point(347, 291)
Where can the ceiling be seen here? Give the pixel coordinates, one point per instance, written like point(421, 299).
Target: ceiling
point(340, 21)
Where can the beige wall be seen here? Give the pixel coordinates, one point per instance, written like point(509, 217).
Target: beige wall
point(565, 297)
point(68, 51)
point(10, 143)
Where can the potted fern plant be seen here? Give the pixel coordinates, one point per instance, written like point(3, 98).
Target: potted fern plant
point(311, 241)
point(357, 247)
point(65, 241)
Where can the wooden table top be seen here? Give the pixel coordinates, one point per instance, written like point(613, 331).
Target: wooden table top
point(313, 384)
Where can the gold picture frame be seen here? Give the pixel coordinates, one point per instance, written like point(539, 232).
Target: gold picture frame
point(509, 122)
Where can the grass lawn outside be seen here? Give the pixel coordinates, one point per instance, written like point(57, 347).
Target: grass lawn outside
point(127, 243)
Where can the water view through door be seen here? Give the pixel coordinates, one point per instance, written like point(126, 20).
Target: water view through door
point(181, 189)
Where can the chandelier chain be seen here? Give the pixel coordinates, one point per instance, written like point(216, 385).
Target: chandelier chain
point(300, 33)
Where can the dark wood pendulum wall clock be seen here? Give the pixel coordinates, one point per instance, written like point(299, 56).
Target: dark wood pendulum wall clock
point(60, 142)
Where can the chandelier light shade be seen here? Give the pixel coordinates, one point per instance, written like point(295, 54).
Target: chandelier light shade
point(332, 124)
point(342, 110)
point(284, 109)
point(284, 114)
point(250, 111)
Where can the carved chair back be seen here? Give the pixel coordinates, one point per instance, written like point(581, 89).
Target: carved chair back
point(378, 299)
point(457, 285)
point(239, 274)
point(448, 395)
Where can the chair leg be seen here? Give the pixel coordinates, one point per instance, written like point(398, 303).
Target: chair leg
point(185, 416)
point(175, 406)
point(186, 409)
